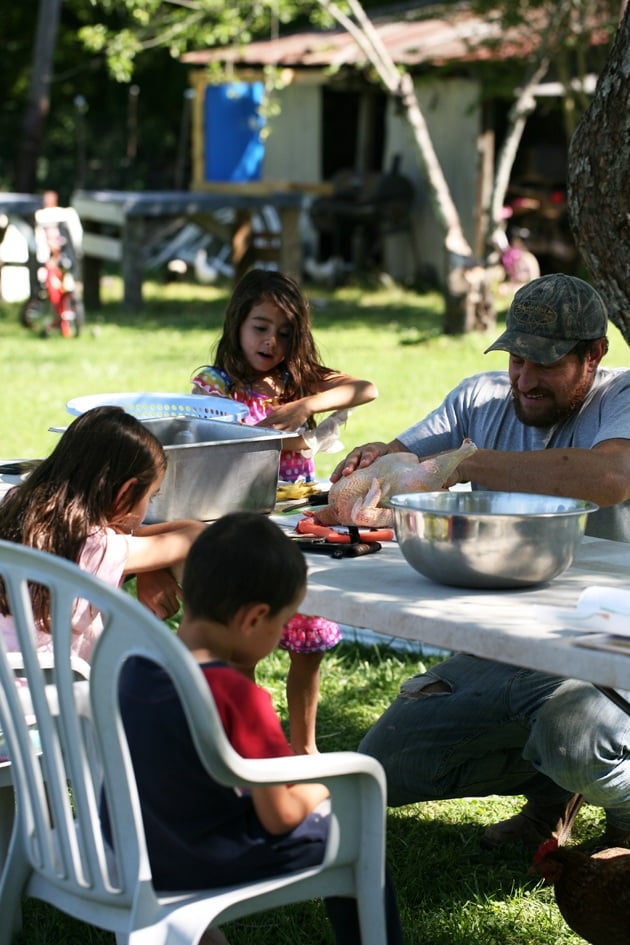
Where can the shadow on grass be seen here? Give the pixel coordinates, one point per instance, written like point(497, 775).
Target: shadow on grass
point(184, 306)
point(416, 318)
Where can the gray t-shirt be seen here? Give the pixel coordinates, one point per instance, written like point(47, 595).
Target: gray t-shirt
point(481, 408)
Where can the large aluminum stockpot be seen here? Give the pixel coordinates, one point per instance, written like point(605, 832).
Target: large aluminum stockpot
point(489, 539)
point(215, 467)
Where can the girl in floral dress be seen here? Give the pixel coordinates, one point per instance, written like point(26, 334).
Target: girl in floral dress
point(267, 359)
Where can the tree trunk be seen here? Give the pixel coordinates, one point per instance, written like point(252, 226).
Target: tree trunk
point(38, 97)
point(599, 182)
point(467, 300)
point(520, 111)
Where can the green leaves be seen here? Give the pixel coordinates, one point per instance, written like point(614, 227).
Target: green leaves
point(123, 31)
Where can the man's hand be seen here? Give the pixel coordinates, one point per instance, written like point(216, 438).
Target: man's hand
point(159, 591)
point(362, 456)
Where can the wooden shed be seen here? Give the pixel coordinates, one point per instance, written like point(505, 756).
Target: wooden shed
point(335, 130)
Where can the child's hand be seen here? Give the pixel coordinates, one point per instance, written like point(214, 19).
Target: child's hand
point(288, 416)
point(159, 591)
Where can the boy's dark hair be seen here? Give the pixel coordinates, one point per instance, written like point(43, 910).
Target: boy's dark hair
point(240, 559)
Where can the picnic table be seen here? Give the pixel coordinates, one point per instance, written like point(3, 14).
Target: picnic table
point(21, 205)
point(123, 226)
point(383, 593)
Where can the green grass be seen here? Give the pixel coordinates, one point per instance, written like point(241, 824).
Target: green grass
point(450, 891)
point(390, 336)
point(392, 339)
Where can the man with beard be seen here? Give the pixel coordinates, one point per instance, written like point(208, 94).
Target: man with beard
point(555, 423)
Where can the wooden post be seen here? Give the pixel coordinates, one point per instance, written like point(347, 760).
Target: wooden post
point(133, 239)
point(91, 269)
point(242, 256)
point(485, 151)
point(290, 246)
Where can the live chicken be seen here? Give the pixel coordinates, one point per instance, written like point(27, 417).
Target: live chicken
point(592, 892)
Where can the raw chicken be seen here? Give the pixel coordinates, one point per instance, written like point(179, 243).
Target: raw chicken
point(357, 499)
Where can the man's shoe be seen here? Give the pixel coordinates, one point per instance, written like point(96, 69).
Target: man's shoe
point(533, 824)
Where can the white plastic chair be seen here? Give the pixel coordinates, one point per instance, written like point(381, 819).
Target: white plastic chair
point(81, 670)
point(57, 853)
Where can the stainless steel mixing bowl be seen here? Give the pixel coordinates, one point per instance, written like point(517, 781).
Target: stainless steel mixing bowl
point(489, 539)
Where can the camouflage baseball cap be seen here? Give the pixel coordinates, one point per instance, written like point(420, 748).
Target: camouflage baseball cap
point(548, 316)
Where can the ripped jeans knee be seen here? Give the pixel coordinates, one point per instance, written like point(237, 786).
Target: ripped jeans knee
point(426, 684)
point(451, 732)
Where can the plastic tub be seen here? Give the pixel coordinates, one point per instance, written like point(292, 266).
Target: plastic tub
point(147, 405)
point(215, 468)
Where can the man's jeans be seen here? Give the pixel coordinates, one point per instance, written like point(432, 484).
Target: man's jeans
point(487, 728)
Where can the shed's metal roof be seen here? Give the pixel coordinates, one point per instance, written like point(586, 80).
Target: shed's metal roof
point(455, 35)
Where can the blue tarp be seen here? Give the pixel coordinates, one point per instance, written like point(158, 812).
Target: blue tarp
point(233, 147)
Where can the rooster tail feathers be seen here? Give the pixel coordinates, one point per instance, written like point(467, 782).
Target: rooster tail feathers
point(549, 847)
point(571, 812)
point(563, 832)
